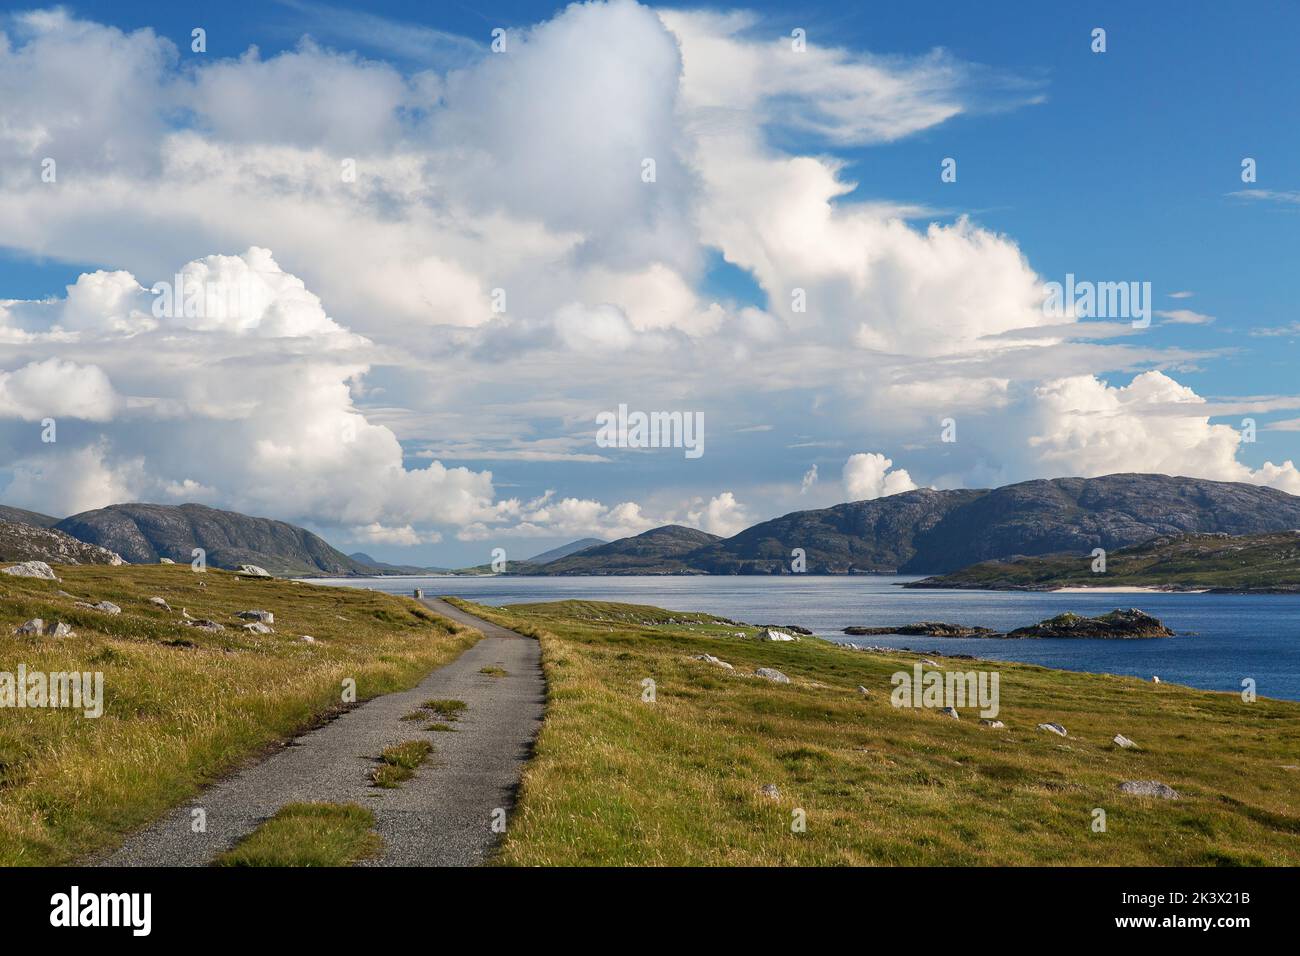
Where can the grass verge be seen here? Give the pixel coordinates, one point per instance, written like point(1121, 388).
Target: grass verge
point(182, 706)
point(308, 834)
point(618, 780)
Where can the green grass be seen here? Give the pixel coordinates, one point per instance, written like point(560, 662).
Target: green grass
point(445, 709)
point(308, 834)
point(182, 706)
point(398, 763)
point(440, 727)
point(615, 780)
point(493, 671)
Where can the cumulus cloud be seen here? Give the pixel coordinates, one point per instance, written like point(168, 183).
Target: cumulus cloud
point(56, 389)
point(723, 515)
point(869, 475)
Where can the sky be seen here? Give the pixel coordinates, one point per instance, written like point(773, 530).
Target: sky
point(429, 263)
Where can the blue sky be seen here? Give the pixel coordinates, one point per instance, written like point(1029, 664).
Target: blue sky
point(1112, 166)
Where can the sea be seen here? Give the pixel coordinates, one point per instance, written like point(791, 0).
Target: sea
point(1221, 639)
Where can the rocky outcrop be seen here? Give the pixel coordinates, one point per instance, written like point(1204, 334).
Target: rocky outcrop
point(926, 629)
point(1120, 624)
point(29, 542)
point(31, 569)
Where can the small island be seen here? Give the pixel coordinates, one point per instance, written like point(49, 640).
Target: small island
point(1119, 624)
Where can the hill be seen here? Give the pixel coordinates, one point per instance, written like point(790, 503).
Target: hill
point(658, 551)
point(1263, 563)
point(383, 567)
point(564, 550)
point(142, 534)
point(928, 532)
point(33, 518)
point(27, 542)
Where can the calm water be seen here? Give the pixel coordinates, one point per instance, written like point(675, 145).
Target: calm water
point(1221, 638)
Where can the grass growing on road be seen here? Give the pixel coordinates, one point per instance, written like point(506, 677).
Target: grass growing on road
point(617, 780)
point(493, 671)
point(308, 834)
point(398, 763)
point(445, 709)
point(182, 706)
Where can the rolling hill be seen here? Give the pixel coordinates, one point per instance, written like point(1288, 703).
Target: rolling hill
point(658, 551)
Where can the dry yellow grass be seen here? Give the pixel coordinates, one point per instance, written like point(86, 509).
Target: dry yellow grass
point(617, 780)
point(182, 706)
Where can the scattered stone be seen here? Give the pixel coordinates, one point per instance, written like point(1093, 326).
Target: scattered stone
point(863, 691)
point(31, 569)
point(257, 627)
point(1149, 788)
point(950, 712)
point(160, 602)
point(709, 658)
point(926, 660)
point(771, 635)
point(307, 639)
point(770, 673)
point(33, 628)
point(1054, 728)
point(771, 791)
point(265, 617)
point(204, 624)
point(738, 634)
point(1121, 741)
point(106, 607)
point(166, 561)
point(995, 724)
point(1155, 680)
point(60, 629)
point(253, 571)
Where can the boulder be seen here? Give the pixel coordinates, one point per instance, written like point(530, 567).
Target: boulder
point(1121, 741)
point(264, 617)
point(59, 630)
point(166, 561)
point(1054, 729)
point(31, 569)
point(710, 659)
point(257, 627)
point(770, 673)
point(950, 712)
point(204, 624)
point(771, 635)
point(33, 628)
point(253, 571)
point(863, 691)
point(771, 791)
point(994, 724)
point(160, 602)
point(1149, 788)
point(926, 660)
point(307, 639)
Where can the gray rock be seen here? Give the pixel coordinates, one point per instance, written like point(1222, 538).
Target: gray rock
point(33, 628)
point(950, 712)
point(257, 627)
point(106, 607)
point(1121, 741)
point(307, 639)
point(863, 691)
point(265, 617)
point(1054, 728)
point(1149, 788)
point(31, 569)
point(204, 624)
point(166, 561)
point(926, 660)
point(709, 658)
point(771, 635)
point(771, 791)
point(772, 674)
point(995, 724)
point(253, 571)
point(160, 602)
point(1155, 680)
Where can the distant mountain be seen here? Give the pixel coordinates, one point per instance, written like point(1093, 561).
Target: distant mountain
point(658, 551)
point(1261, 563)
point(30, 542)
point(564, 550)
point(932, 532)
point(142, 534)
point(19, 516)
point(383, 567)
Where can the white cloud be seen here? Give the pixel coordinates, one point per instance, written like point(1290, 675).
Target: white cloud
point(868, 475)
point(723, 515)
point(57, 389)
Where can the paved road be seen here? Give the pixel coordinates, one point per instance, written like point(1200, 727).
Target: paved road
point(441, 817)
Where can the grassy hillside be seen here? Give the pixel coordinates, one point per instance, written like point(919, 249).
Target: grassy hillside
point(1258, 562)
point(182, 705)
point(616, 780)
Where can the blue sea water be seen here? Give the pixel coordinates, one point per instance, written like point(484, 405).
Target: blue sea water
point(1221, 638)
